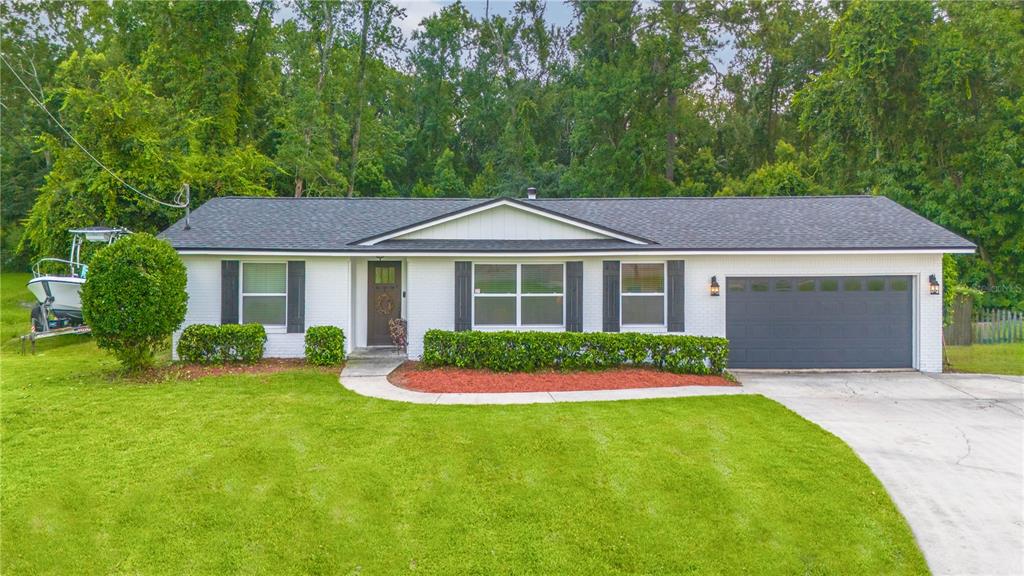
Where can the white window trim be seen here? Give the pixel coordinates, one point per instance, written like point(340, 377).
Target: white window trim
point(270, 328)
point(518, 294)
point(663, 294)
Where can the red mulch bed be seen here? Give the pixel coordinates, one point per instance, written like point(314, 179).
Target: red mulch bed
point(410, 375)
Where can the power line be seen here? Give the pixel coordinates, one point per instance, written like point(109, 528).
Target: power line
point(178, 203)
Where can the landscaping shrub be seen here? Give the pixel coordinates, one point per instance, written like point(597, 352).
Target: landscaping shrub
point(529, 351)
point(325, 345)
point(218, 344)
point(134, 297)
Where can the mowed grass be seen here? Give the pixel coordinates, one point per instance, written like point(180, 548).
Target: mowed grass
point(292, 474)
point(987, 358)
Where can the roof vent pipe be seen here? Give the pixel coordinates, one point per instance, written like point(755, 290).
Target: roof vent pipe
point(531, 193)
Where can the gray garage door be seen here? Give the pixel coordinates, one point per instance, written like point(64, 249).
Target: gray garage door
point(820, 322)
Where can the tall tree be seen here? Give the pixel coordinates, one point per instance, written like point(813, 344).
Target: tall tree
point(310, 120)
point(779, 47)
point(379, 38)
point(36, 37)
point(920, 101)
point(918, 105)
point(437, 61)
point(676, 43)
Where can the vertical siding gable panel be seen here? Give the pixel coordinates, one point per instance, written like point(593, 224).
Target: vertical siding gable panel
point(502, 223)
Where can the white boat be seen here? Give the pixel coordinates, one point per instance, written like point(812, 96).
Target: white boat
point(56, 282)
point(63, 290)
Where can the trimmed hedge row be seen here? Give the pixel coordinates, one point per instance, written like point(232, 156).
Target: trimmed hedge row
point(529, 351)
point(325, 345)
point(216, 344)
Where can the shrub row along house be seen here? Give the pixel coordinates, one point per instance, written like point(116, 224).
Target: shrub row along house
point(792, 282)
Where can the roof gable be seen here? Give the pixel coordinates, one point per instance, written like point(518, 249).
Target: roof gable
point(503, 219)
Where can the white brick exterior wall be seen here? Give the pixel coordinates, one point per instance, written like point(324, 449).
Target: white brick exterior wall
point(431, 298)
point(327, 297)
point(431, 283)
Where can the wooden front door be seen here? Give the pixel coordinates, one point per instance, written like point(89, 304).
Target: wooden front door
point(384, 298)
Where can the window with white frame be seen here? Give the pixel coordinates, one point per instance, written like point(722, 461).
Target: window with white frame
point(643, 293)
point(264, 293)
point(518, 294)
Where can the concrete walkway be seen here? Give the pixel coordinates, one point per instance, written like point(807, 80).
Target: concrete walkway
point(949, 448)
point(366, 374)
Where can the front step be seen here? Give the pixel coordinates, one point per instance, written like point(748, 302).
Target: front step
point(377, 352)
point(372, 362)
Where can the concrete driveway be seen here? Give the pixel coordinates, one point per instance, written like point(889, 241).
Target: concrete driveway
point(948, 447)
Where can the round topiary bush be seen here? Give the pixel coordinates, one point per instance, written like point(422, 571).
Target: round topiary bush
point(134, 297)
point(325, 345)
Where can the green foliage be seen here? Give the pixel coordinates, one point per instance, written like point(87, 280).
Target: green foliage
point(529, 351)
point(119, 118)
point(223, 343)
point(1005, 295)
point(784, 177)
point(920, 101)
point(134, 297)
point(446, 182)
point(950, 284)
point(325, 345)
point(485, 184)
point(423, 190)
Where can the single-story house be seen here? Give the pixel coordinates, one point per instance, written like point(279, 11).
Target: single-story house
point(792, 282)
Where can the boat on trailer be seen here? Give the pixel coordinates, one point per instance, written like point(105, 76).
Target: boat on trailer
point(56, 282)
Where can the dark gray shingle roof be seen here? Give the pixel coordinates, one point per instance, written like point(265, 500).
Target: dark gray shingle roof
point(780, 223)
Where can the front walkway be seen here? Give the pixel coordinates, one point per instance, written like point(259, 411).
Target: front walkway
point(949, 448)
point(367, 370)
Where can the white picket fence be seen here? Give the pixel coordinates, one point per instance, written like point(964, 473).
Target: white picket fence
point(995, 326)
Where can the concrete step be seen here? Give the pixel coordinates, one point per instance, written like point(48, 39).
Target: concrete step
point(377, 352)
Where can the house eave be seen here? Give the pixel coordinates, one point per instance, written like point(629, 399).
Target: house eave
point(569, 253)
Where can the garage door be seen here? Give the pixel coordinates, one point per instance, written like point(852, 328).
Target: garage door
point(820, 322)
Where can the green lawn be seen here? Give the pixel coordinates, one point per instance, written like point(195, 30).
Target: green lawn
point(987, 358)
point(290, 473)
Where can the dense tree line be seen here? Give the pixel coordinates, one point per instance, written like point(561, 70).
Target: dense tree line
point(921, 101)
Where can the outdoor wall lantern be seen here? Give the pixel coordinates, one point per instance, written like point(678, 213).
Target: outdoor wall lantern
point(933, 285)
point(714, 286)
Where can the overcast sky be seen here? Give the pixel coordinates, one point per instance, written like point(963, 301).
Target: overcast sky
point(556, 12)
point(416, 10)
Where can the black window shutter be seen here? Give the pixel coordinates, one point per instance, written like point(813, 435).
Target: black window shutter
point(676, 295)
point(296, 296)
point(463, 296)
point(574, 296)
point(611, 296)
point(229, 291)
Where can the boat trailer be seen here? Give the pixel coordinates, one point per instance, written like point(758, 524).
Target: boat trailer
point(45, 327)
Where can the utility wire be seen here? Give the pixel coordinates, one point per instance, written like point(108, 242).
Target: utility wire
point(177, 203)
